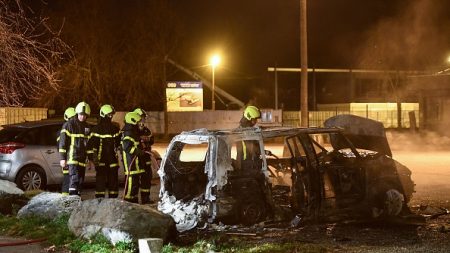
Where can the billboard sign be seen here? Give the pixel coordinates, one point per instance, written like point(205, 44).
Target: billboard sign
point(184, 96)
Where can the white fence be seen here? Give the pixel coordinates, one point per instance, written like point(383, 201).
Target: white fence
point(185, 121)
point(11, 115)
point(317, 118)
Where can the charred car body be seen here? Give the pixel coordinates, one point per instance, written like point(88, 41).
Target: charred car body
point(317, 173)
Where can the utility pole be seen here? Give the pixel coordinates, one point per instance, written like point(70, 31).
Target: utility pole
point(276, 87)
point(304, 66)
point(213, 101)
point(166, 114)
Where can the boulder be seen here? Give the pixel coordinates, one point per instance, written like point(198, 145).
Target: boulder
point(119, 221)
point(10, 194)
point(49, 205)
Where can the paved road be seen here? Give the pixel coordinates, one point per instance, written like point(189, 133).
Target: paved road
point(430, 173)
point(89, 191)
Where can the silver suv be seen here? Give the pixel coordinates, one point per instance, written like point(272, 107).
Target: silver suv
point(28, 154)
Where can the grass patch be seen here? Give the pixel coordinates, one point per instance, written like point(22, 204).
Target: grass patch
point(57, 233)
point(242, 247)
point(99, 244)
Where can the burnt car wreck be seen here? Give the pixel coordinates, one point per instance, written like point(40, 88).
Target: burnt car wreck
point(342, 170)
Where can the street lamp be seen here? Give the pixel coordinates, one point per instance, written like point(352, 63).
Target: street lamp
point(214, 61)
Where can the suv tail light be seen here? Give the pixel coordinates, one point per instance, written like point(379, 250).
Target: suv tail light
point(10, 147)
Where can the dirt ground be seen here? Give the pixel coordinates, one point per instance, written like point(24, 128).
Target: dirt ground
point(26, 248)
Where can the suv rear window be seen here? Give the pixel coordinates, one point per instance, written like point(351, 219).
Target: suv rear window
point(42, 135)
point(9, 134)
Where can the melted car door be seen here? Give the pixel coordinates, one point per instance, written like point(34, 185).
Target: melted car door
point(306, 178)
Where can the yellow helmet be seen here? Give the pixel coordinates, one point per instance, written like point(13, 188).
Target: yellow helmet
point(106, 109)
point(141, 112)
point(252, 112)
point(132, 118)
point(83, 107)
point(69, 113)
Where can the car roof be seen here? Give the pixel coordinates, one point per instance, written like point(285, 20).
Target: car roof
point(266, 132)
point(33, 124)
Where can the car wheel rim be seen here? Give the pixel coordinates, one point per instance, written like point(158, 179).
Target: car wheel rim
point(394, 202)
point(31, 180)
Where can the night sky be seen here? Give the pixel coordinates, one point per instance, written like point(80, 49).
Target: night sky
point(252, 35)
point(259, 33)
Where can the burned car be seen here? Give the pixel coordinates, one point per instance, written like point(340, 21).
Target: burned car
point(314, 173)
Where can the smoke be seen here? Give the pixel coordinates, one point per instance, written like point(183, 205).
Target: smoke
point(416, 38)
point(421, 141)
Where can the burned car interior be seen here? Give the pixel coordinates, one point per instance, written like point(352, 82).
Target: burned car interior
point(188, 178)
point(316, 173)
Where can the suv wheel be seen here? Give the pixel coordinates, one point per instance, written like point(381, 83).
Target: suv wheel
point(31, 178)
point(388, 201)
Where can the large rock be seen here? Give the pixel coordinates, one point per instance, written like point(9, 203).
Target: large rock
point(10, 194)
point(49, 205)
point(120, 221)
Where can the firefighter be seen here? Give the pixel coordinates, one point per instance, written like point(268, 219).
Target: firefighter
point(146, 141)
point(104, 141)
point(132, 156)
point(248, 151)
point(68, 114)
point(250, 116)
point(250, 163)
point(72, 147)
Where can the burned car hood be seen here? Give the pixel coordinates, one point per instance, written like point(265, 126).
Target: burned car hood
point(362, 132)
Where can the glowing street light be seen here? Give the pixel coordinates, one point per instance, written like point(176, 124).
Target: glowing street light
point(214, 61)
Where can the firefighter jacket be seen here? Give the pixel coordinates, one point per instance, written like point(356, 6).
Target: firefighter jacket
point(146, 138)
point(104, 141)
point(72, 142)
point(146, 142)
point(131, 149)
point(248, 151)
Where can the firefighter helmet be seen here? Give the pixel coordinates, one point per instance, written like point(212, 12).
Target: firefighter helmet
point(83, 108)
point(106, 109)
point(252, 112)
point(69, 113)
point(141, 112)
point(132, 118)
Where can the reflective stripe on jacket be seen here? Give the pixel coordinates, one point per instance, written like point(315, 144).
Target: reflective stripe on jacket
point(103, 140)
point(72, 142)
point(131, 150)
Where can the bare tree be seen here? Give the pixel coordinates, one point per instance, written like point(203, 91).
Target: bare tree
point(119, 49)
point(30, 54)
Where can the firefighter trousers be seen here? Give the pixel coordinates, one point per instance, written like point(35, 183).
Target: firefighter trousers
point(76, 176)
point(138, 183)
point(66, 181)
point(106, 181)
